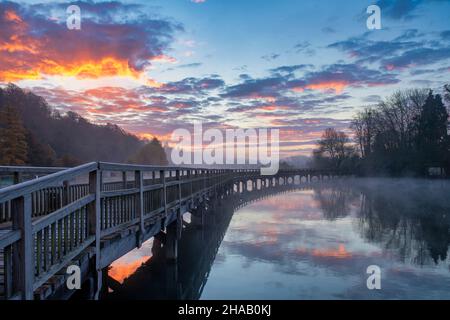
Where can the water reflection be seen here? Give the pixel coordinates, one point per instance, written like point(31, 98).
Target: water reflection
point(314, 243)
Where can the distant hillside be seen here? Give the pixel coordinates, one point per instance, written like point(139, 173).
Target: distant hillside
point(36, 134)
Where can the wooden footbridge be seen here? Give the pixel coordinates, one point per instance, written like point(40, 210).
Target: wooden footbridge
point(93, 214)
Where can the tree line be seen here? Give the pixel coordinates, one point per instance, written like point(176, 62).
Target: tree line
point(33, 133)
point(405, 134)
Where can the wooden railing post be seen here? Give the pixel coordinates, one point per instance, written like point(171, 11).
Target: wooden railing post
point(162, 174)
point(124, 179)
point(94, 213)
point(65, 195)
point(189, 178)
point(139, 183)
point(23, 252)
point(204, 176)
point(8, 276)
point(179, 187)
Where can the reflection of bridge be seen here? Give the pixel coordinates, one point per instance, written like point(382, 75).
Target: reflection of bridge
point(160, 278)
point(93, 214)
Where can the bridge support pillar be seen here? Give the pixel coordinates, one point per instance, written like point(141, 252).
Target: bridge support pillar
point(172, 241)
point(198, 217)
point(173, 289)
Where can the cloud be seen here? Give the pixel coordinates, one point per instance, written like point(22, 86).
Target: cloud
point(445, 35)
point(416, 57)
point(289, 70)
point(408, 50)
point(191, 65)
point(33, 46)
point(403, 9)
point(304, 47)
point(328, 30)
point(335, 77)
point(270, 57)
point(191, 86)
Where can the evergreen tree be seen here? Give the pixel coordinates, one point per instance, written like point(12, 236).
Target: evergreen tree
point(152, 154)
point(39, 154)
point(447, 92)
point(13, 141)
point(432, 139)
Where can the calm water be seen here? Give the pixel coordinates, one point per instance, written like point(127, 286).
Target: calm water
point(314, 243)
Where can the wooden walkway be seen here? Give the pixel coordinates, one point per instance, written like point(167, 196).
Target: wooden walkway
point(93, 214)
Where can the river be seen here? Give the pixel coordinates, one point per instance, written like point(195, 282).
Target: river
point(315, 242)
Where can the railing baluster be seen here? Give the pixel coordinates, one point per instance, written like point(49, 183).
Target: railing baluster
point(66, 235)
point(23, 251)
point(53, 244)
point(46, 247)
point(139, 205)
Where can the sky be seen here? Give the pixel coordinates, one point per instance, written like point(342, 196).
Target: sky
point(154, 66)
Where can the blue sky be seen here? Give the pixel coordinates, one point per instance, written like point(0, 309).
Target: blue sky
point(156, 65)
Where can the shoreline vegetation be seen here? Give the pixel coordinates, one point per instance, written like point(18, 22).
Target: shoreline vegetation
point(33, 133)
point(406, 134)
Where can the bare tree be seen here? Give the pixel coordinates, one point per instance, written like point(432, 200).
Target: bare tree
point(333, 149)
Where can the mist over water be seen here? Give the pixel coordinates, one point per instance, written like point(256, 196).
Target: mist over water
point(311, 243)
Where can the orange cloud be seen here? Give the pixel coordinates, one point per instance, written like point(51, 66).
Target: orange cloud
point(36, 47)
point(340, 253)
point(337, 86)
point(154, 84)
point(108, 66)
point(12, 16)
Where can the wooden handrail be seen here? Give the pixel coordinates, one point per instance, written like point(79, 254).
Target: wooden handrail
point(30, 170)
point(28, 187)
